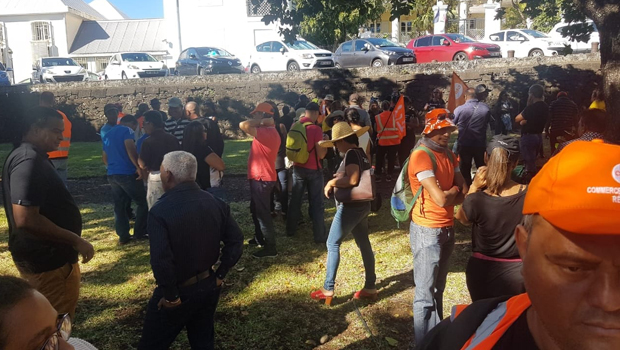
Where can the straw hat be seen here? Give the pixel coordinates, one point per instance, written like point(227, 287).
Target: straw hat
point(341, 131)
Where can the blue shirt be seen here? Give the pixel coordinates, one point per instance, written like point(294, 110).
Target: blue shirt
point(114, 147)
point(105, 129)
point(472, 119)
point(140, 141)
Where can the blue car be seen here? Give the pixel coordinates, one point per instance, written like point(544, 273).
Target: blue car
point(4, 75)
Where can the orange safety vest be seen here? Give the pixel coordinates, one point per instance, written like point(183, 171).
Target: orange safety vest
point(496, 323)
point(387, 130)
point(63, 149)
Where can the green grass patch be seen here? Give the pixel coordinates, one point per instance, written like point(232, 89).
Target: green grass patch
point(85, 158)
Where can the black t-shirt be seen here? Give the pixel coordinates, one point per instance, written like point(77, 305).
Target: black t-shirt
point(29, 179)
point(494, 220)
point(203, 176)
point(357, 156)
point(537, 116)
point(517, 337)
point(214, 135)
point(156, 146)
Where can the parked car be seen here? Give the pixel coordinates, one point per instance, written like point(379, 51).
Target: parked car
point(524, 42)
point(207, 60)
point(134, 65)
point(451, 47)
point(559, 41)
point(273, 56)
point(372, 52)
point(5, 80)
point(58, 70)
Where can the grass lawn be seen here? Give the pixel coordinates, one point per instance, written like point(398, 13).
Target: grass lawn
point(85, 158)
point(265, 304)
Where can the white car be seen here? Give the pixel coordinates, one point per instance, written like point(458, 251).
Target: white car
point(559, 41)
point(524, 42)
point(134, 65)
point(58, 70)
point(274, 56)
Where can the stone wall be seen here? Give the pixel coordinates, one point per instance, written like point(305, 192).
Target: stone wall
point(236, 95)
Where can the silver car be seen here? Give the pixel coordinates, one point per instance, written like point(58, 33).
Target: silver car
point(372, 52)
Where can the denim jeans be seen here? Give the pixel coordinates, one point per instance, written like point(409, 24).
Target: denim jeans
point(530, 144)
point(350, 218)
point(260, 198)
point(431, 249)
point(196, 313)
point(125, 188)
point(283, 198)
point(303, 177)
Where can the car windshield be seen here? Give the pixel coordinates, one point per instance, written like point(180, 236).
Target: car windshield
point(138, 57)
point(53, 62)
point(460, 38)
point(302, 45)
point(207, 52)
point(378, 42)
point(534, 33)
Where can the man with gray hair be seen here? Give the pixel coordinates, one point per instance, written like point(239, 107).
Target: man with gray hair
point(533, 120)
point(186, 227)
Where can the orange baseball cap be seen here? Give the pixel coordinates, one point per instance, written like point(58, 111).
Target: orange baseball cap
point(578, 190)
point(438, 118)
point(263, 107)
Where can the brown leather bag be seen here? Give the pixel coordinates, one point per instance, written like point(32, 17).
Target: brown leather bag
point(364, 191)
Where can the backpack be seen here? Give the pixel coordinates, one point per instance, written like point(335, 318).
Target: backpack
point(403, 200)
point(297, 143)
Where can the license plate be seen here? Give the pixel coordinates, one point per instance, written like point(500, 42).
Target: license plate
point(495, 54)
point(408, 59)
point(151, 72)
point(325, 63)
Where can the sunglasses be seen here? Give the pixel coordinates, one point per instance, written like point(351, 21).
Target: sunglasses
point(63, 331)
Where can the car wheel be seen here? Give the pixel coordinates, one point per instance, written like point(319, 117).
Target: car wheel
point(461, 56)
point(377, 63)
point(293, 67)
point(123, 76)
point(337, 65)
point(255, 69)
point(536, 53)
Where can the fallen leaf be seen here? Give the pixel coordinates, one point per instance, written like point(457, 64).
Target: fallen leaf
point(324, 339)
point(310, 342)
point(391, 341)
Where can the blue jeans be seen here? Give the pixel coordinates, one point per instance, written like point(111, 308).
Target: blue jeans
point(260, 198)
point(352, 218)
point(125, 188)
point(283, 198)
point(431, 249)
point(196, 313)
point(303, 177)
point(530, 144)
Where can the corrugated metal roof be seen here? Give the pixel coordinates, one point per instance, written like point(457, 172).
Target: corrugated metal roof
point(26, 7)
point(109, 37)
point(81, 6)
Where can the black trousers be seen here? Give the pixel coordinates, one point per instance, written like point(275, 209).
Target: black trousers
point(467, 154)
point(196, 313)
point(491, 279)
point(391, 152)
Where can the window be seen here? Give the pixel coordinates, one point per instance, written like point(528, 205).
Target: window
point(359, 45)
point(422, 42)
point(208, 52)
point(183, 55)
point(375, 27)
point(405, 27)
point(53, 62)
point(514, 36)
point(276, 46)
point(303, 45)
point(41, 31)
point(497, 36)
point(138, 57)
point(347, 47)
point(258, 8)
point(191, 54)
point(438, 40)
point(114, 59)
point(264, 47)
point(382, 42)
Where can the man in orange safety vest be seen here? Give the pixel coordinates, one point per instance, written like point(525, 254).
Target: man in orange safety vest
point(388, 140)
point(59, 157)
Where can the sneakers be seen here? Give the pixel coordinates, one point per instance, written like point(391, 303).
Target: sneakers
point(255, 242)
point(265, 253)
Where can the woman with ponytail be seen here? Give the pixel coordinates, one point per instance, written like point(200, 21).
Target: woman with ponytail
point(493, 207)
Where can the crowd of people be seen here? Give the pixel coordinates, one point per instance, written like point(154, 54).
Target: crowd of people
point(543, 273)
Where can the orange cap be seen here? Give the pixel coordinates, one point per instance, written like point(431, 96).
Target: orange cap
point(438, 118)
point(263, 107)
point(578, 190)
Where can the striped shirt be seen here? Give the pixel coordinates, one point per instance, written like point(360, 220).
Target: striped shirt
point(587, 136)
point(176, 127)
point(564, 114)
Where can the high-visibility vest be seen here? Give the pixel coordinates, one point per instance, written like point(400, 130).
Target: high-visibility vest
point(63, 149)
point(496, 323)
point(387, 130)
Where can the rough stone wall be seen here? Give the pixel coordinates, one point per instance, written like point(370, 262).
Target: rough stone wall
point(236, 95)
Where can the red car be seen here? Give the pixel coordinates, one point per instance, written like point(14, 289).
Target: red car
point(451, 47)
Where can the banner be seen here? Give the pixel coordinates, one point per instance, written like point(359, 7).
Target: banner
point(399, 117)
point(457, 93)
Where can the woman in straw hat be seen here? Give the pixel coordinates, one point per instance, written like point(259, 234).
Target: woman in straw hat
point(351, 217)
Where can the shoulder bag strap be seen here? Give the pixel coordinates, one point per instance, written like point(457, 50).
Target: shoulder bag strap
point(434, 161)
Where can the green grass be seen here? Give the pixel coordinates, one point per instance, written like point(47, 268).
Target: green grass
point(85, 158)
point(265, 304)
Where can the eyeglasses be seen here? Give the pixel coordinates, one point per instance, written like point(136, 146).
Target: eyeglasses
point(63, 331)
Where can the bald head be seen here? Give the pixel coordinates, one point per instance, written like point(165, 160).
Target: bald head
point(191, 110)
point(471, 93)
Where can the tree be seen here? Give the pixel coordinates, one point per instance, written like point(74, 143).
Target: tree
point(515, 16)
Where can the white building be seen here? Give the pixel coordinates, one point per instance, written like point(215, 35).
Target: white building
point(107, 10)
point(233, 25)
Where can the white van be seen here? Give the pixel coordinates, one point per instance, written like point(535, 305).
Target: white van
point(275, 56)
point(559, 41)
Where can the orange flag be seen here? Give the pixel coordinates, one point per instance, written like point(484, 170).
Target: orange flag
point(457, 93)
point(399, 117)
